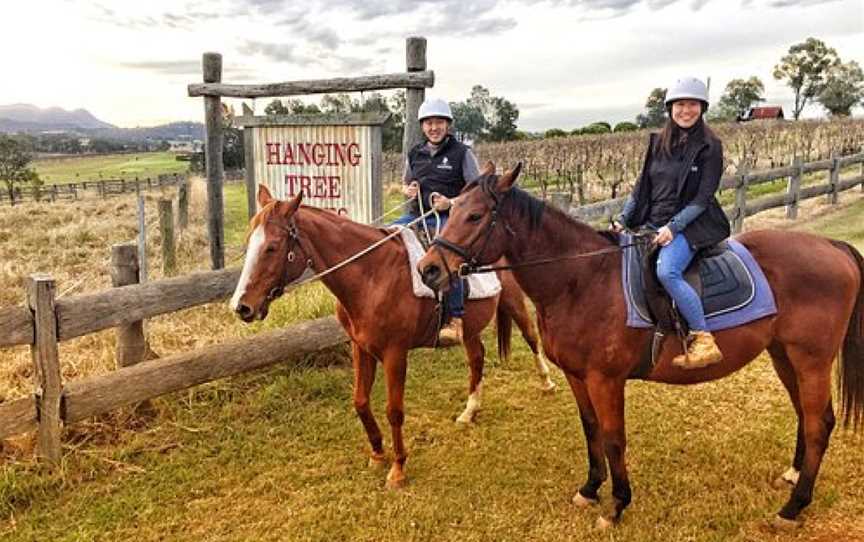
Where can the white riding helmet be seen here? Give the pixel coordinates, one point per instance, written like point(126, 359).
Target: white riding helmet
point(687, 88)
point(435, 107)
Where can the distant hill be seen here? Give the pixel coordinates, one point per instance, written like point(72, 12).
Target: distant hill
point(30, 119)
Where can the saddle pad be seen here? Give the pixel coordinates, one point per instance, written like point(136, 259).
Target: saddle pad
point(480, 286)
point(735, 290)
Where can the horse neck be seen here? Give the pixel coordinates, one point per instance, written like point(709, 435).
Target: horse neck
point(556, 235)
point(332, 239)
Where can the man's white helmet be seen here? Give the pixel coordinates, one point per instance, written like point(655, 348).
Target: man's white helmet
point(435, 107)
point(687, 88)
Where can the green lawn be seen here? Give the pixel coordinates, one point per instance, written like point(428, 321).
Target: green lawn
point(115, 166)
point(279, 455)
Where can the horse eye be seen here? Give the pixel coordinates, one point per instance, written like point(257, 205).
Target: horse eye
point(474, 217)
point(270, 249)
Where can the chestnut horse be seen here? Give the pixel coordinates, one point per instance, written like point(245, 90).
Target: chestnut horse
point(376, 305)
point(573, 275)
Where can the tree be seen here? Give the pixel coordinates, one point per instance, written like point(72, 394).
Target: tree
point(625, 127)
point(292, 106)
point(554, 132)
point(738, 98)
point(468, 121)
point(844, 88)
point(596, 128)
point(804, 69)
point(503, 125)
point(655, 110)
point(14, 160)
point(338, 103)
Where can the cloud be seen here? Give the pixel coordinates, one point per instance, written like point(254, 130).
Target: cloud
point(170, 67)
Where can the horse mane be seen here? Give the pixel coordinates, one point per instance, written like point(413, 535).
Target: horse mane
point(526, 205)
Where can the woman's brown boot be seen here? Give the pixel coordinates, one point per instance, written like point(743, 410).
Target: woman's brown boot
point(702, 352)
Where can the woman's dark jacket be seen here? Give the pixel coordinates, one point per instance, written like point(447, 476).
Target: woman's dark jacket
point(698, 181)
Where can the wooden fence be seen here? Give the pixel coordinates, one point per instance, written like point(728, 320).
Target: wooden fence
point(101, 188)
point(46, 320)
point(742, 208)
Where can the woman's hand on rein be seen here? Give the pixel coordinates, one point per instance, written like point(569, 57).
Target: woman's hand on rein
point(664, 236)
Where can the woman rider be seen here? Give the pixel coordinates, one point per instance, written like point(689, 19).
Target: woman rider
point(675, 195)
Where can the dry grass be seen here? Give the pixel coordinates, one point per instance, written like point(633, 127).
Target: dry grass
point(278, 455)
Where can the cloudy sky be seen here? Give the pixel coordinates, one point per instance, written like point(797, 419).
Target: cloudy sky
point(565, 63)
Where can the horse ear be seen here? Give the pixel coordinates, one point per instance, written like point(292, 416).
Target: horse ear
point(287, 208)
point(488, 169)
point(264, 195)
point(506, 181)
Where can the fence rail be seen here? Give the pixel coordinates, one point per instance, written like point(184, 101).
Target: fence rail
point(103, 188)
point(740, 183)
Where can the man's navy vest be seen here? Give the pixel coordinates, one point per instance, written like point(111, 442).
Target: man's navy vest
point(441, 173)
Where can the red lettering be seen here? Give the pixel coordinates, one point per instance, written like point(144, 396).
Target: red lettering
point(304, 152)
point(353, 154)
point(333, 183)
point(306, 185)
point(289, 155)
point(319, 154)
point(341, 153)
point(331, 154)
point(289, 182)
point(273, 152)
point(320, 186)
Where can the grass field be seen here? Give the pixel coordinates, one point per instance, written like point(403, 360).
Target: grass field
point(115, 166)
point(279, 454)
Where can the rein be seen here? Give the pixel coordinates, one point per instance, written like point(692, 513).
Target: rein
point(294, 235)
point(468, 269)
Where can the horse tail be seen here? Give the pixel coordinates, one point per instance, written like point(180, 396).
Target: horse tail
point(504, 326)
point(851, 373)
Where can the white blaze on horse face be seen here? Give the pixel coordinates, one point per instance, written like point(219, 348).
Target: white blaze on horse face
point(256, 244)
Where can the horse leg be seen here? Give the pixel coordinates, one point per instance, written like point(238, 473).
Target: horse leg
point(364, 377)
point(607, 396)
point(814, 390)
point(587, 494)
point(515, 306)
point(787, 377)
point(395, 367)
point(476, 353)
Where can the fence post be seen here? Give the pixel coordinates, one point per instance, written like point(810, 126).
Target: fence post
point(142, 242)
point(166, 230)
point(415, 60)
point(741, 184)
point(834, 179)
point(101, 186)
point(560, 200)
point(41, 292)
point(212, 68)
point(183, 204)
point(131, 342)
point(794, 189)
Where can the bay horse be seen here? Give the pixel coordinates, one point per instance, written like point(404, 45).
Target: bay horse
point(376, 305)
point(573, 275)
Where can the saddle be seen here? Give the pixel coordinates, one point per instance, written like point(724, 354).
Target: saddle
point(717, 274)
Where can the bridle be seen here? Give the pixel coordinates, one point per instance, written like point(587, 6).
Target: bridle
point(471, 264)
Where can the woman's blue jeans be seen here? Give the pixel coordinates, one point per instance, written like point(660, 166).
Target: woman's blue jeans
point(456, 293)
point(673, 261)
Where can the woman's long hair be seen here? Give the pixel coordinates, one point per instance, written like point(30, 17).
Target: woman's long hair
point(672, 135)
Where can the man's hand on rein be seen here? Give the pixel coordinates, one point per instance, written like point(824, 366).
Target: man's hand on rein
point(439, 202)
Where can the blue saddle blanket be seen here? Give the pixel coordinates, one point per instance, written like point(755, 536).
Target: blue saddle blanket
point(735, 291)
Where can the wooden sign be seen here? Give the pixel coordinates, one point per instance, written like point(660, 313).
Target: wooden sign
point(333, 160)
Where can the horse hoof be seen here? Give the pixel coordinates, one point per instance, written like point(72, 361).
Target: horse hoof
point(465, 419)
point(603, 524)
point(377, 461)
point(784, 525)
point(583, 502)
point(395, 484)
point(548, 388)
